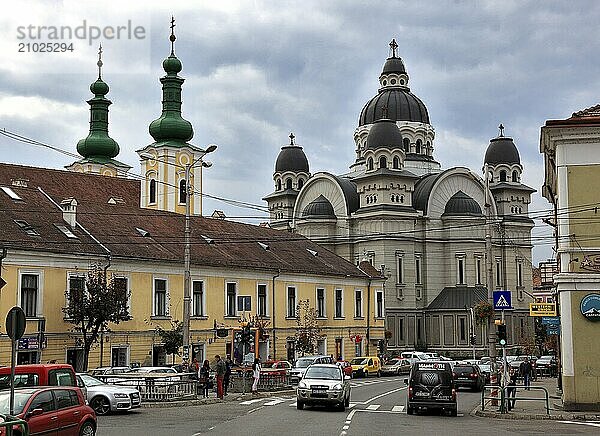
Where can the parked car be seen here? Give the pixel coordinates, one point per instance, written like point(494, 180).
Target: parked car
point(105, 398)
point(396, 366)
point(468, 375)
point(431, 386)
point(109, 370)
point(299, 368)
point(346, 367)
point(51, 374)
point(547, 365)
point(51, 410)
point(279, 367)
point(323, 384)
point(414, 356)
point(516, 363)
point(365, 366)
point(486, 371)
point(433, 356)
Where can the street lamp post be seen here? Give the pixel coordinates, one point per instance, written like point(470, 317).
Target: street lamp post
point(187, 244)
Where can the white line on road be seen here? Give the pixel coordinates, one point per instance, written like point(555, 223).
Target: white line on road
point(274, 402)
point(373, 407)
point(383, 395)
point(398, 409)
point(248, 402)
point(591, 424)
point(254, 410)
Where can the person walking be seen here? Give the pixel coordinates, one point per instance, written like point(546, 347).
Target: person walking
point(525, 370)
point(204, 377)
point(220, 369)
point(228, 366)
point(255, 375)
point(512, 388)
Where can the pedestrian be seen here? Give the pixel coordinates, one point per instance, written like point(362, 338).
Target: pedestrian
point(220, 369)
point(194, 367)
point(228, 366)
point(256, 376)
point(204, 377)
point(525, 370)
point(533, 370)
point(512, 388)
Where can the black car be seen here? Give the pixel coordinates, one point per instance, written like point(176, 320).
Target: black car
point(468, 376)
point(431, 386)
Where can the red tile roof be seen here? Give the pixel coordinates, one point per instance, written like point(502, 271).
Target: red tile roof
point(214, 242)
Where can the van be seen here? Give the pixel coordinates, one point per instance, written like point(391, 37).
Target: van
point(431, 386)
point(363, 366)
point(51, 374)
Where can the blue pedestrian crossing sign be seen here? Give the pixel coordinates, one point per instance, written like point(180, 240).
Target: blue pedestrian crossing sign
point(502, 300)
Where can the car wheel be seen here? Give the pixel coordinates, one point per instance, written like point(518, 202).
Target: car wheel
point(342, 406)
point(378, 373)
point(398, 372)
point(101, 405)
point(87, 429)
point(347, 401)
point(453, 412)
point(410, 410)
point(299, 405)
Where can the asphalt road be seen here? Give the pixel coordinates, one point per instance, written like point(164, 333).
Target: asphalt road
point(377, 408)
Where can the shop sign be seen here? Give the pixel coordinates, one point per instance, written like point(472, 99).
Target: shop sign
point(590, 307)
point(31, 343)
point(542, 309)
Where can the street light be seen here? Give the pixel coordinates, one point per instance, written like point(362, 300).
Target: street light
point(186, 251)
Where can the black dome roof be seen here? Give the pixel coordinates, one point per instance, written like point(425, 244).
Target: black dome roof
point(393, 65)
point(319, 207)
point(502, 150)
point(461, 204)
point(291, 158)
point(384, 133)
point(401, 104)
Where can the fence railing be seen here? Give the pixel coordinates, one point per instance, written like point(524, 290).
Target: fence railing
point(506, 397)
point(9, 422)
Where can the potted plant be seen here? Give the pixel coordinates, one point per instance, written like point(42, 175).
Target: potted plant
point(483, 312)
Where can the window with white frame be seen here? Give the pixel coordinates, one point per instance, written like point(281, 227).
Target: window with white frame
point(244, 303)
point(261, 295)
point(418, 270)
point(358, 303)
point(379, 304)
point(321, 303)
point(198, 298)
point(339, 303)
point(399, 270)
point(75, 289)
point(478, 270)
point(230, 298)
point(30, 294)
point(161, 297)
point(291, 302)
point(460, 270)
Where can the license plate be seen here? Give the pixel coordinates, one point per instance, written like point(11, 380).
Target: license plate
point(421, 394)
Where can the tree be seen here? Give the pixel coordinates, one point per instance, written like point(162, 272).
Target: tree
point(308, 330)
point(172, 339)
point(91, 308)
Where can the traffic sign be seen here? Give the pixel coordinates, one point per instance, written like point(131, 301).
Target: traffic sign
point(502, 300)
point(15, 323)
point(550, 320)
point(542, 309)
point(553, 330)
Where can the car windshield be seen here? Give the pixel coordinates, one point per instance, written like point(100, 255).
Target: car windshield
point(20, 401)
point(484, 367)
point(303, 363)
point(463, 369)
point(90, 381)
point(359, 361)
point(323, 373)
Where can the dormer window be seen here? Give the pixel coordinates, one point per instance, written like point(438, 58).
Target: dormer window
point(515, 176)
point(370, 164)
point(278, 186)
point(12, 194)
point(396, 163)
point(27, 228)
point(382, 162)
point(502, 176)
point(418, 146)
point(288, 184)
point(300, 183)
point(406, 145)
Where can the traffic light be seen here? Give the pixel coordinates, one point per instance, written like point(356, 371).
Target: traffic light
point(502, 334)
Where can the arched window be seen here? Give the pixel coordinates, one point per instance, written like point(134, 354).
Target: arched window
point(418, 146)
point(428, 151)
point(152, 191)
point(406, 145)
point(182, 193)
point(402, 199)
point(515, 176)
point(279, 184)
point(288, 184)
point(300, 184)
point(396, 163)
point(382, 162)
point(370, 164)
point(503, 176)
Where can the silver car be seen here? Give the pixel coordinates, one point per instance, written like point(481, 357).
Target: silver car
point(324, 384)
point(105, 398)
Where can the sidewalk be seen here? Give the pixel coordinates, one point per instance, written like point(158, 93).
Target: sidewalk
point(212, 399)
point(529, 409)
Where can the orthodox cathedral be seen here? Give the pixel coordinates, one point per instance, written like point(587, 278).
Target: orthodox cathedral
point(423, 226)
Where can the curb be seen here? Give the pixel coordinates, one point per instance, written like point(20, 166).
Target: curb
point(535, 416)
point(203, 401)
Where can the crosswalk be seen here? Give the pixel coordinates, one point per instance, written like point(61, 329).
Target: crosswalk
point(291, 402)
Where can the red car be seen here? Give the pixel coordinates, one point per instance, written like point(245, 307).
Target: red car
point(51, 410)
point(346, 367)
point(279, 367)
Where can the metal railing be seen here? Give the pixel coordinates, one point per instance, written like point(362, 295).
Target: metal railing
point(505, 398)
point(157, 387)
point(242, 382)
point(9, 422)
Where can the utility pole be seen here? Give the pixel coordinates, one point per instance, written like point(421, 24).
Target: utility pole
point(186, 277)
point(489, 267)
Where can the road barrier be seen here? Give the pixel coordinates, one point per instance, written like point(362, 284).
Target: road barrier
point(9, 422)
point(505, 399)
point(157, 387)
point(493, 397)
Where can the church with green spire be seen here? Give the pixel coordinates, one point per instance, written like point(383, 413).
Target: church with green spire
point(98, 150)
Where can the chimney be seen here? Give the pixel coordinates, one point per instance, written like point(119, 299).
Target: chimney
point(69, 207)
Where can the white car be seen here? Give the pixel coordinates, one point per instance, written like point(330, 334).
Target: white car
point(105, 398)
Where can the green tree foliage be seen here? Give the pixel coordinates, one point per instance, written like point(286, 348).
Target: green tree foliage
point(307, 330)
point(172, 339)
point(104, 301)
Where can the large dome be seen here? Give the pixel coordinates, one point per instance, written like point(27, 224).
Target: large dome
point(401, 105)
point(384, 133)
point(291, 158)
point(320, 207)
point(461, 204)
point(502, 150)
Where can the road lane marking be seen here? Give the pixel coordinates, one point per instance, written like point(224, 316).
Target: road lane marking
point(398, 409)
point(373, 407)
point(248, 402)
point(384, 394)
point(254, 410)
point(589, 423)
point(274, 402)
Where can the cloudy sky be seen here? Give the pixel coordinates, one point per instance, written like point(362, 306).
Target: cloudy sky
point(257, 70)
